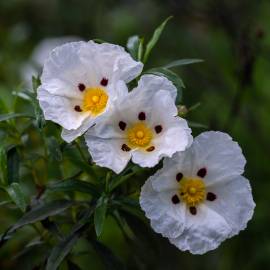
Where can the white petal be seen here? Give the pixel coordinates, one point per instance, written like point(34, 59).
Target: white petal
point(219, 154)
point(113, 61)
point(203, 232)
point(166, 218)
point(60, 109)
point(234, 202)
point(71, 135)
point(148, 85)
point(107, 152)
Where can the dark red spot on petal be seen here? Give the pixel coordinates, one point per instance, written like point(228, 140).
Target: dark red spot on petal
point(81, 87)
point(104, 82)
point(125, 148)
point(142, 116)
point(179, 176)
point(150, 149)
point(211, 196)
point(158, 129)
point(193, 210)
point(77, 108)
point(202, 172)
point(122, 125)
point(175, 199)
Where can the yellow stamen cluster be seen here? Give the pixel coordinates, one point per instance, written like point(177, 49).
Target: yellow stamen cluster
point(139, 135)
point(95, 100)
point(192, 191)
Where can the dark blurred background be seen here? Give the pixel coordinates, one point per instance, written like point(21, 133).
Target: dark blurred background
point(232, 85)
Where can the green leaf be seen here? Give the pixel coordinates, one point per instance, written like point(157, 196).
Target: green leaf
point(197, 125)
point(60, 251)
point(55, 153)
point(3, 166)
point(9, 116)
point(119, 180)
point(151, 44)
point(110, 261)
point(100, 214)
point(182, 62)
point(99, 41)
point(16, 194)
point(13, 165)
point(41, 212)
point(173, 77)
point(74, 185)
point(140, 49)
point(133, 46)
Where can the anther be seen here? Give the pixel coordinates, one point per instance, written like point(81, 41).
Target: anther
point(202, 172)
point(150, 149)
point(125, 148)
point(193, 210)
point(158, 129)
point(122, 125)
point(179, 176)
point(175, 199)
point(142, 116)
point(211, 196)
point(81, 87)
point(104, 82)
point(77, 108)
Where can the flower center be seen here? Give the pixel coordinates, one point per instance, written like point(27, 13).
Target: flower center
point(94, 100)
point(192, 191)
point(139, 135)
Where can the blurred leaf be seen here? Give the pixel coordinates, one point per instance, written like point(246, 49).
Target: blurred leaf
point(72, 266)
point(182, 62)
point(60, 251)
point(41, 212)
point(55, 153)
point(173, 77)
point(74, 185)
point(110, 261)
point(197, 125)
point(13, 165)
point(119, 180)
point(100, 214)
point(99, 41)
point(3, 166)
point(140, 49)
point(151, 44)
point(16, 194)
point(133, 46)
point(9, 116)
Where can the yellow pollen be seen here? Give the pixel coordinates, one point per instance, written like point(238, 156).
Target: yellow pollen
point(139, 135)
point(94, 100)
point(192, 191)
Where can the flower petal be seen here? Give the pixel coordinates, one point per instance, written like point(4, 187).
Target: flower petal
point(60, 109)
point(166, 218)
point(108, 152)
point(203, 232)
point(234, 202)
point(219, 154)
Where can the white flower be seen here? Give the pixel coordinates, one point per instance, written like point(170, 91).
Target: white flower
point(78, 83)
point(143, 126)
point(199, 198)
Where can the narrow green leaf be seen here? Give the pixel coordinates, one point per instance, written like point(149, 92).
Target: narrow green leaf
point(133, 46)
point(16, 194)
point(60, 251)
point(3, 166)
point(182, 62)
point(100, 214)
point(73, 185)
point(197, 125)
point(9, 116)
point(140, 49)
point(110, 260)
point(55, 153)
point(13, 165)
point(41, 212)
point(99, 41)
point(151, 44)
point(173, 77)
point(119, 180)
